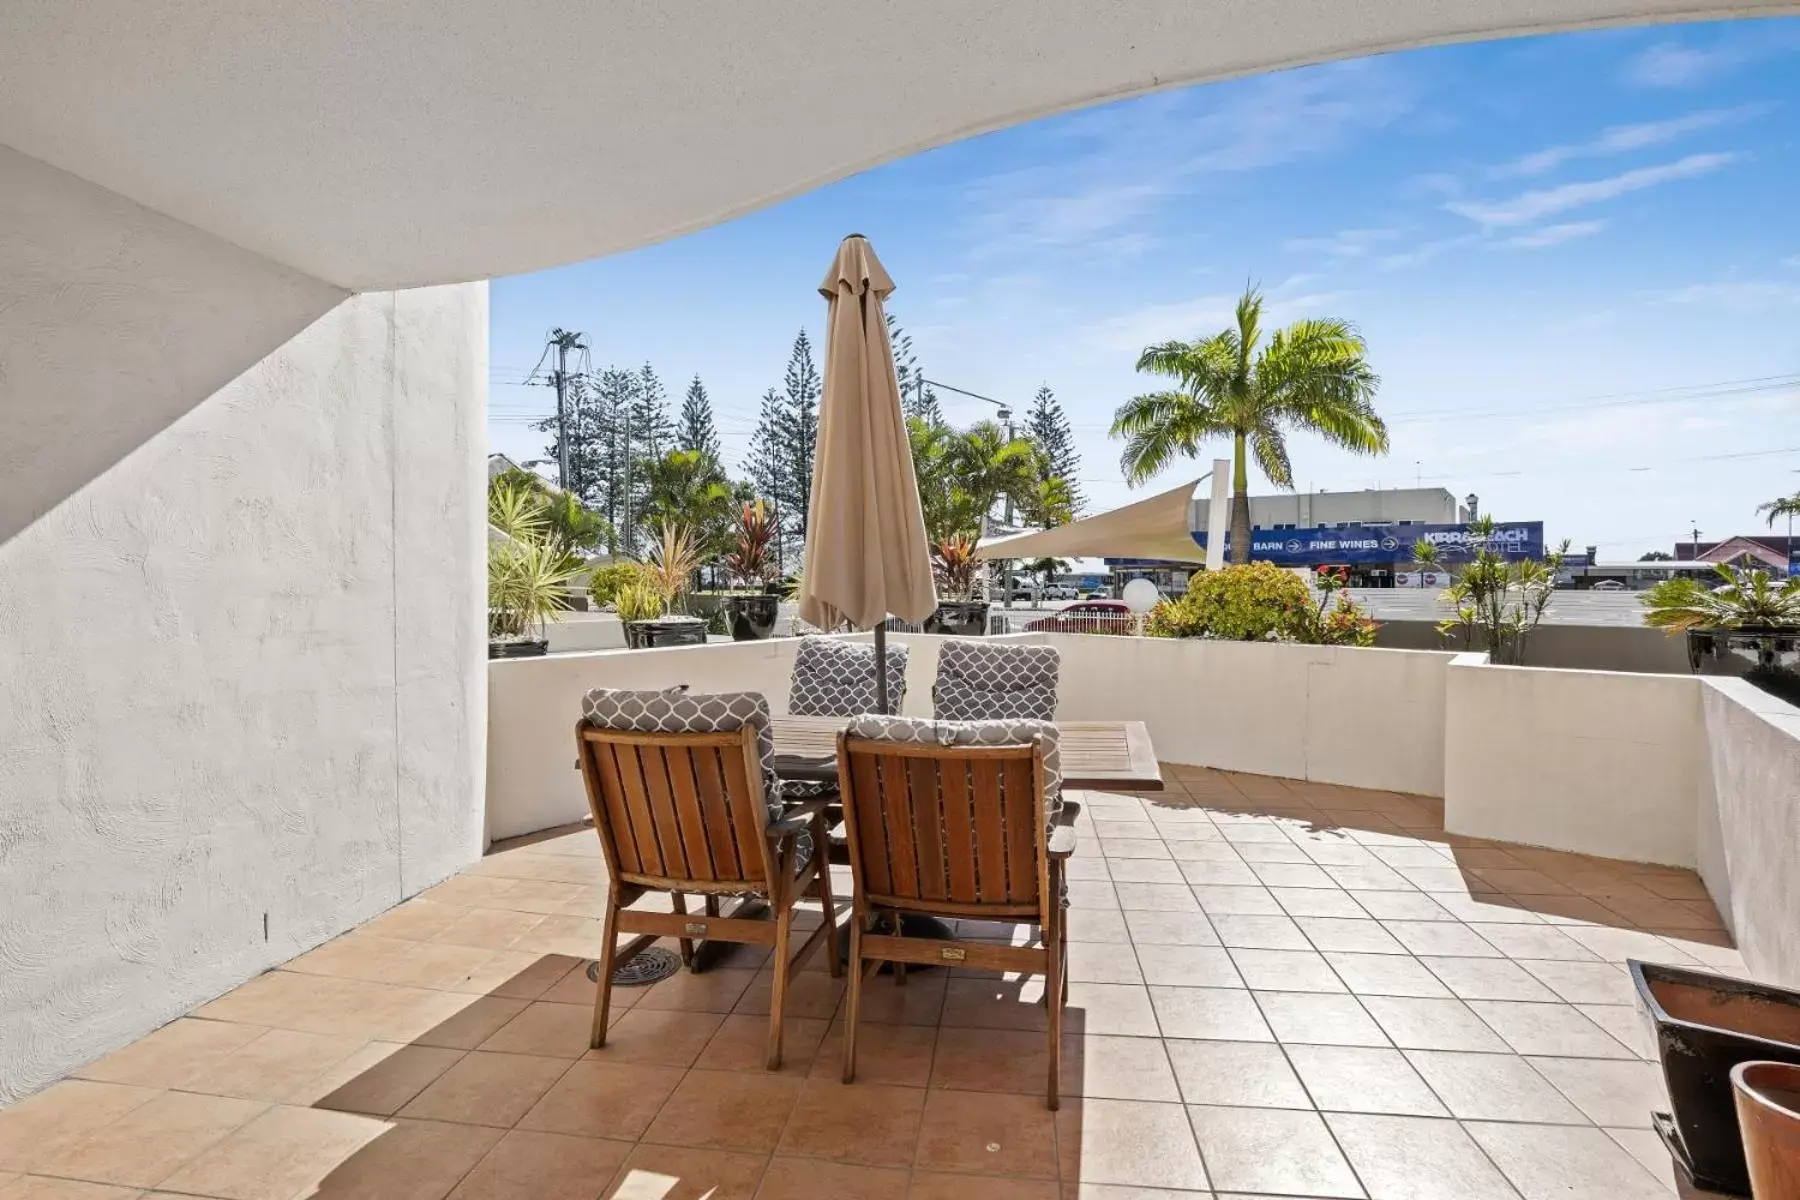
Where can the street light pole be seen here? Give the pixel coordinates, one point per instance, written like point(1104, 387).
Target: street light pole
point(1005, 413)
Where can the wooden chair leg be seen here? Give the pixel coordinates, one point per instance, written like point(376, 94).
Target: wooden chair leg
point(835, 961)
point(687, 944)
point(784, 919)
point(899, 968)
point(1053, 987)
point(853, 1003)
point(609, 938)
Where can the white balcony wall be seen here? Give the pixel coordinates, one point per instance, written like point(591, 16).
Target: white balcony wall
point(1335, 714)
point(1599, 762)
point(240, 622)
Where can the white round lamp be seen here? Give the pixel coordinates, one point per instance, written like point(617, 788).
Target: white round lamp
point(1140, 595)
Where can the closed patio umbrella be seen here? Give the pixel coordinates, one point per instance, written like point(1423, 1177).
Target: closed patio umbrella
point(866, 554)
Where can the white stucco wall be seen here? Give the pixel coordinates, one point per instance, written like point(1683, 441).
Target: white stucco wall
point(1749, 845)
point(1599, 762)
point(243, 664)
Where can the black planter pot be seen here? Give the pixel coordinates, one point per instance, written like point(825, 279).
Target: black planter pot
point(960, 618)
point(1705, 1025)
point(1769, 658)
point(526, 649)
point(665, 631)
point(777, 589)
point(752, 618)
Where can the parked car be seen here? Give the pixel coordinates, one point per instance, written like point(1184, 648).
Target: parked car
point(1061, 591)
point(1085, 616)
point(1610, 585)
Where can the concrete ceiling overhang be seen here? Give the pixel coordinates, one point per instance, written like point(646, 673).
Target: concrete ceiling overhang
point(375, 143)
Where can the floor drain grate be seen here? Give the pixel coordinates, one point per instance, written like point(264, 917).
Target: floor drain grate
point(647, 968)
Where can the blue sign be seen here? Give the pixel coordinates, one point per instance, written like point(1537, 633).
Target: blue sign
point(1385, 544)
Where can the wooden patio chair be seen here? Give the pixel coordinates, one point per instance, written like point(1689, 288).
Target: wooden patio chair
point(963, 829)
point(680, 789)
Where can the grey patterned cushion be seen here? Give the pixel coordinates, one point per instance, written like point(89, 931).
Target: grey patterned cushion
point(974, 733)
point(836, 678)
point(677, 710)
point(989, 681)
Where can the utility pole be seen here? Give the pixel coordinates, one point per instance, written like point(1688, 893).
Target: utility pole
point(563, 341)
point(1696, 539)
point(630, 529)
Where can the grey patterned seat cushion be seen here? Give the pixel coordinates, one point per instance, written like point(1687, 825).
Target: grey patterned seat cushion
point(974, 733)
point(836, 678)
point(677, 710)
point(990, 681)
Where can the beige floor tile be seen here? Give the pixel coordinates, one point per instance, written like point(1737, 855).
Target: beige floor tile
point(1349, 935)
point(410, 1160)
point(1147, 927)
point(284, 1152)
point(542, 1166)
point(987, 1061)
point(277, 1066)
point(1534, 941)
point(487, 1089)
point(1554, 1029)
point(661, 1037)
point(1110, 1008)
point(1585, 983)
point(1648, 1149)
point(741, 1044)
point(933, 1185)
point(1440, 938)
point(1317, 902)
point(1425, 1023)
point(727, 1110)
point(1214, 870)
point(170, 1056)
point(152, 1141)
point(684, 1173)
point(899, 1054)
point(1565, 1164)
point(1243, 931)
point(1626, 1024)
point(38, 1187)
point(1610, 1092)
point(1417, 1158)
point(1319, 1019)
point(1405, 905)
point(716, 991)
point(486, 928)
point(379, 1079)
point(1286, 971)
point(1263, 1150)
point(811, 993)
point(1145, 870)
point(1099, 962)
point(1128, 1142)
point(41, 1129)
point(1229, 899)
point(1492, 1087)
point(1098, 925)
point(991, 1135)
point(1294, 875)
point(1385, 974)
point(1092, 893)
point(867, 1123)
point(1487, 979)
point(1187, 966)
point(1227, 1014)
point(1250, 1074)
point(596, 1098)
point(416, 920)
point(1283, 852)
point(810, 1178)
point(1118, 1068)
point(1161, 897)
point(1370, 878)
point(1363, 1079)
point(473, 1023)
point(1119, 849)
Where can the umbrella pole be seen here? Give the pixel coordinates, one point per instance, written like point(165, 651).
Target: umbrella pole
point(881, 679)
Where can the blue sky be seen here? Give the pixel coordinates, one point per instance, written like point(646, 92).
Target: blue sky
point(1576, 260)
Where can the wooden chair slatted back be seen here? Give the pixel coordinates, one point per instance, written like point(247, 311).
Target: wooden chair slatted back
point(946, 829)
point(678, 808)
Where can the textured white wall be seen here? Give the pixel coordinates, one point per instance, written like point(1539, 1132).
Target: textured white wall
point(243, 665)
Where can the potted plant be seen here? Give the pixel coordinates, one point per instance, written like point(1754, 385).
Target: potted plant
point(664, 583)
point(958, 612)
point(529, 571)
point(752, 617)
point(639, 605)
point(1747, 625)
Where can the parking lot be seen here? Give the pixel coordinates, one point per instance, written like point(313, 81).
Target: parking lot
point(1422, 604)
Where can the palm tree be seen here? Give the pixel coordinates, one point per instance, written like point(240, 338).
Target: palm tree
point(1312, 377)
point(1787, 506)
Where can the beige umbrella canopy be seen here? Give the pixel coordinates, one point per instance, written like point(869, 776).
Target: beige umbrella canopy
point(866, 554)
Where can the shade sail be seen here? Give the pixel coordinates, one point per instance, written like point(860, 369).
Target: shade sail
point(866, 554)
point(1156, 527)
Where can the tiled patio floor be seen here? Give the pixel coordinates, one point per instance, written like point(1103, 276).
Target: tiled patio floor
point(1281, 989)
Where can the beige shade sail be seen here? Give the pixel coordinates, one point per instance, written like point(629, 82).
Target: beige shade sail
point(866, 554)
point(1155, 527)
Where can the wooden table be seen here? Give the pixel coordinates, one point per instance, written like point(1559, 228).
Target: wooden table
point(1103, 756)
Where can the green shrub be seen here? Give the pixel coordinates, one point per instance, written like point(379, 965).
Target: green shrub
point(1251, 603)
point(603, 587)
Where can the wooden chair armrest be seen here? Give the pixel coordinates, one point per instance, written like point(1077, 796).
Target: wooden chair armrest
point(1062, 841)
point(797, 818)
point(1069, 813)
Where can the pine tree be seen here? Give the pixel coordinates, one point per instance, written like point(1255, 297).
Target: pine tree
point(800, 428)
point(917, 398)
point(766, 461)
point(696, 431)
point(1046, 426)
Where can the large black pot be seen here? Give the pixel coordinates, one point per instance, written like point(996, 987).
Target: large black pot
point(1705, 1025)
point(665, 631)
point(525, 649)
point(1769, 658)
point(752, 617)
point(960, 618)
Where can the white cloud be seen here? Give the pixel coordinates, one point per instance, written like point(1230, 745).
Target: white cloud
point(1555, 235)
point(1345, 243)
point(1792, 262)
point(1424, 252)
point(1542, 202)
point(1746, 295)
point(1200, 317)
point(1620, 139)
point(1670, 64)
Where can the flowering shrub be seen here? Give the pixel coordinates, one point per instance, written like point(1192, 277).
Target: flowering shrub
point(1262, 602)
